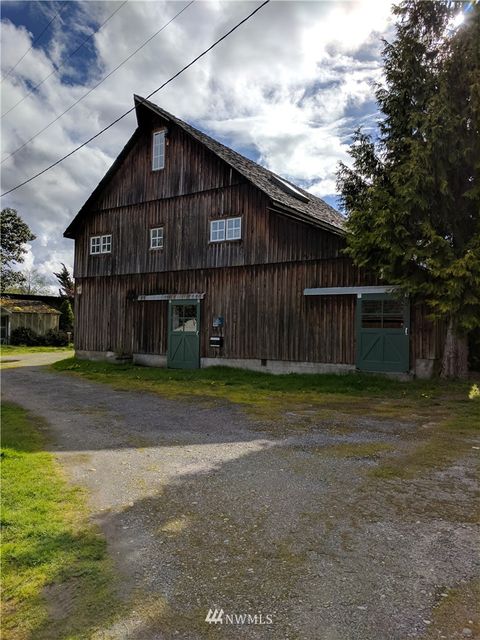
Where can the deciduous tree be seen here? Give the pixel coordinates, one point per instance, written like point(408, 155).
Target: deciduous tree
point(33, 282)
point(14, 234)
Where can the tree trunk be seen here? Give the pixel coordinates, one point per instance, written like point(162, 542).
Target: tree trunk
point(455, 354)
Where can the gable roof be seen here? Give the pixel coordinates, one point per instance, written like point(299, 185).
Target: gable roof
point(285, 197)
point(17, 305)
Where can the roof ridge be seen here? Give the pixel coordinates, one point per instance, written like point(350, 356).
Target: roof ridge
point(336, 219)
point(310, 209)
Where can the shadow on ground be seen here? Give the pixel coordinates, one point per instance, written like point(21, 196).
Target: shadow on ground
point(301, 536)
point(204, 508)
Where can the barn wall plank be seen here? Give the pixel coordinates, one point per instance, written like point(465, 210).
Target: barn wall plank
point(266, 314)
point(195, 187)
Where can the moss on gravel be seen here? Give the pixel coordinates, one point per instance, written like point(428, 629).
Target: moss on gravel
point(437, 446)
point(456, 611)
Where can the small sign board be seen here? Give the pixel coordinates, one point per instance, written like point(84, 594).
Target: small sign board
point(216, 342)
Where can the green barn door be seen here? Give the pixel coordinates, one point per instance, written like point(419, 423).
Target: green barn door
point(383, 327)
point(183, 334)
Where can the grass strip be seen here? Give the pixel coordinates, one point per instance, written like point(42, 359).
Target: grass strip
point(56, 578)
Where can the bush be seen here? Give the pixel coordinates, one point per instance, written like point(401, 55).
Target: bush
point(66, 319)
point(26, 336)
point(55, 338)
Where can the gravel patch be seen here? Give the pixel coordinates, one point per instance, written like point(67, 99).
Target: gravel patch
point(203, 508)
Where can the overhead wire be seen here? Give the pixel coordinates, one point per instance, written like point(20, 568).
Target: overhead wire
point(34, 42)
point(62, 64)
point(171, 79)
point(98, 83)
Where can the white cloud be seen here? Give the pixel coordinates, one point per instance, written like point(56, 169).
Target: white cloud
point(288, 87)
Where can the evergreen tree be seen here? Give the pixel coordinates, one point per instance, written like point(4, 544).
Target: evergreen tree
point(413, 196)
point(66, 319)
point(65, 280)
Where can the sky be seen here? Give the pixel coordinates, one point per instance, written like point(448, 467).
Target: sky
point(287, 89)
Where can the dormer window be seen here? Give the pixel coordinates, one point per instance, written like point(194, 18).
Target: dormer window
point(158, 150)
point(289, 188)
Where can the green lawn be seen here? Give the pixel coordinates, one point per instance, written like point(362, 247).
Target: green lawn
point(13, 350)
point(253, 387)
point(56, 578)
point(450, 408)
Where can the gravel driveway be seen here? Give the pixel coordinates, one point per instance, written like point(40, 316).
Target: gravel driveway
point(203, 508)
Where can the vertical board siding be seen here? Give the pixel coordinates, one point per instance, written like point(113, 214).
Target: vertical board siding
point(189, 167)
point(38, 322)
point(194, 187)
point(267, 237)
point(265, 312)
point(427, 335)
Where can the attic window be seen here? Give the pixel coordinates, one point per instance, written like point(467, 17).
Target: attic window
point(156, 238)
point(158, 150)
point(289, 188)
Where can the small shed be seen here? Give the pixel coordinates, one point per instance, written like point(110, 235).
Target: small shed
point(32, 314)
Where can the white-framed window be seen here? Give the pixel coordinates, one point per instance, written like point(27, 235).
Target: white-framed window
point(158, 150)
point(156, 238)
point(106, 244)
point(101, 244)
point(227, 229)
point(217, 230)
point(234, 228)
point(96, 244)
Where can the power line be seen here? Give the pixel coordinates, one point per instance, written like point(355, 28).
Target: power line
point(34, 42)
point(62, 64)
point(187, 66)
point(98, 83)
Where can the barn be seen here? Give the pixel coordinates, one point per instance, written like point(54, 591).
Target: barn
point(188, 254)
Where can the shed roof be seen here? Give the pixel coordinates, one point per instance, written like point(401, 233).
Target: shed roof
point(284, 195)
point(14, 305)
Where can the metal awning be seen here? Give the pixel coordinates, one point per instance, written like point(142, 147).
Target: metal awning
point(172, 296)
point(348, 291)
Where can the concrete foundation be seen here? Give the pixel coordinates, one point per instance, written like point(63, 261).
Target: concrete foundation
point(150, 360)
point(277, 366)
point(426, 368)
point(252, 364)
point(102, 356)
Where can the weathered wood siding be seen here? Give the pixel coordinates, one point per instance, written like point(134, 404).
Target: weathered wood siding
point(138, 199)
point(427, 337)
point(38, 322)
point(266, 314)
point(255, 283)
point(189, 168)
